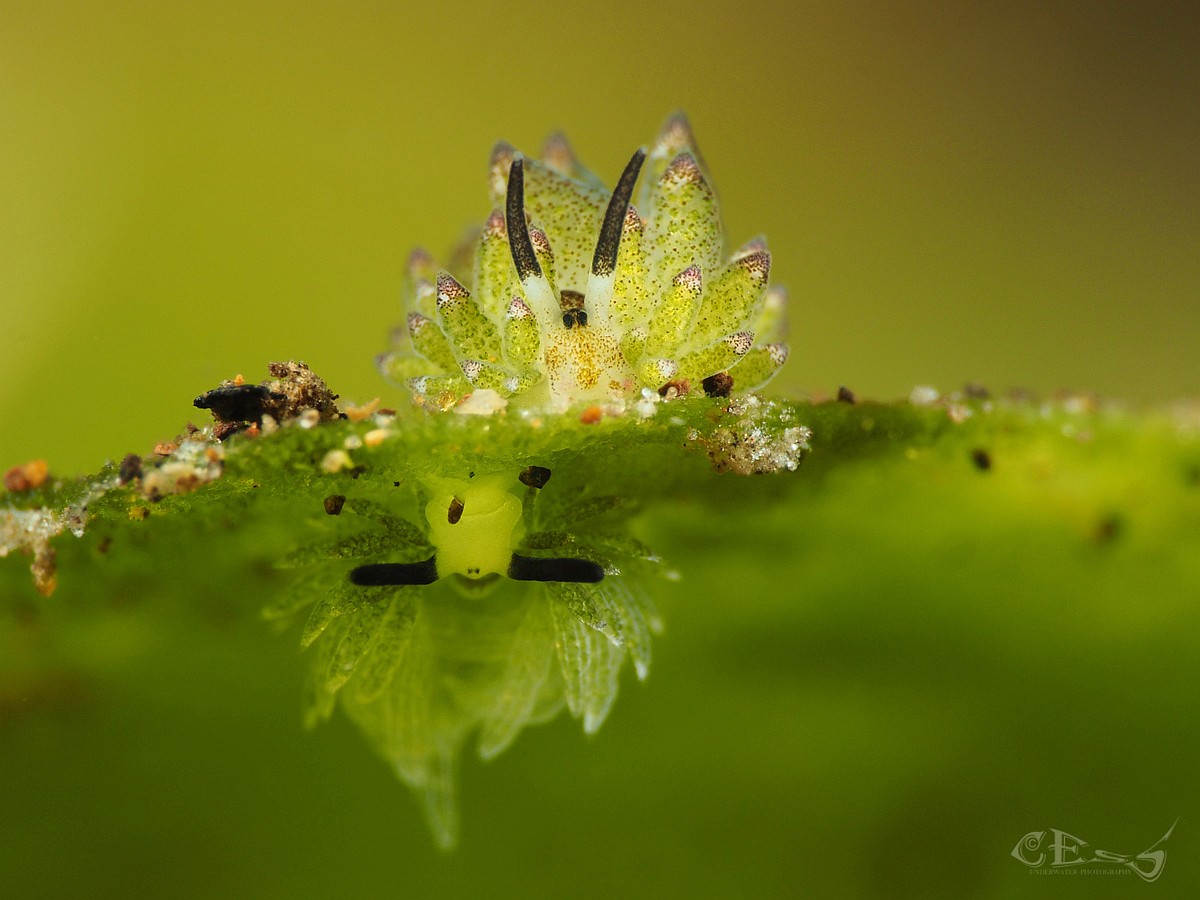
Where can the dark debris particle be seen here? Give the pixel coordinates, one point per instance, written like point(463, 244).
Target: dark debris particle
point(225, 430)
point(301, 389)
point(131, 468)
point(294, 389)
point(1109, 528)
point(334, 504)
point(719, 385)
point(982, 459)
point(454, 513)
point(1191, 475)
point(238, 402)
point(975, 391)
point(845, 395)
point(534, 476)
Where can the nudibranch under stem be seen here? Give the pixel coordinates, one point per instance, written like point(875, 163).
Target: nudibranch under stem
point(572, 302)
point(474, 527)
point(577, 296)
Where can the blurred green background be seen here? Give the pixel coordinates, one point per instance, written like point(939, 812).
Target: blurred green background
point(1006, 193)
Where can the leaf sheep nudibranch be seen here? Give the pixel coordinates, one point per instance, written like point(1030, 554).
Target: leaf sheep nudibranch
point(472, 607)
point(578, 296)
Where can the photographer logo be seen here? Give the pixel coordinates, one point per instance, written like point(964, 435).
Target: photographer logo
point(1056, 852)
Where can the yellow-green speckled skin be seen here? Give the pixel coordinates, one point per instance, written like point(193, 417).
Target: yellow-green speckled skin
point(675, 307)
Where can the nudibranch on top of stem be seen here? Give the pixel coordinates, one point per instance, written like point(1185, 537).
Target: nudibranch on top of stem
point(571, 294)
point(474, 601)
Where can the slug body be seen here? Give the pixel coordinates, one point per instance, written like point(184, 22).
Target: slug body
point(573, 295)
point(478, 542)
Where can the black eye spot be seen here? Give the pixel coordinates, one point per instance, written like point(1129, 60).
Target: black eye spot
point(455, 512)
point(574, 317)
point(534, 476)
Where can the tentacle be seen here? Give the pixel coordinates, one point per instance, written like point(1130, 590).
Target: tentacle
point(518, 229)
point(604, 262)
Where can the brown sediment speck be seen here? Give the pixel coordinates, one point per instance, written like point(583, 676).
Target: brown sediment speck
point(718, 385)
point(131, 468)
point(223, 430)
point(676, 387)
point(982, 459)
point(454, 513)
point(591, 415)
point(845, 395)
point(333, 504)
point(166, 448)
point(358, 413)
point(302, 389)
point(534, 476)
point(27, 476)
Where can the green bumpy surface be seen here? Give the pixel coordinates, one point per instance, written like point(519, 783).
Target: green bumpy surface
point(422, 670)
